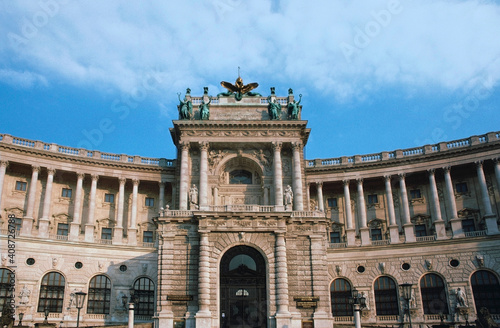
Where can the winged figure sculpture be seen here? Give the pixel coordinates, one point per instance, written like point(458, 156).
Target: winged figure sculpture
point(239, 89)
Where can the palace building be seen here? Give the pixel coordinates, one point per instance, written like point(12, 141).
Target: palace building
point(240, 230)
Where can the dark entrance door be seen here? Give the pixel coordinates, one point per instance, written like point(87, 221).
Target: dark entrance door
point(243, 301)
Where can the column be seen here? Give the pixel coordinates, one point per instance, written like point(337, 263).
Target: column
point(489, 218)
point(3, 168)
point(174, 196)
point(216, 196)
point(297, 177)
point(393, 227)
point(321, 202)
point(497, 173)
point(204, 176)
point(308, 197)
point(132, 229)
point(363, 229)
point(43, 223)
point(89, 226)
point(456, 223)
point(27, 225)
point(320, 286)
point(278, 178)
point(266, 196)
point(183, 187)
point(161, 196)
point(203, 316)
point(439, 224)
point(282, 315)
point(118, 230)
point(74, 228)
point(405, 209)
point(350, 231)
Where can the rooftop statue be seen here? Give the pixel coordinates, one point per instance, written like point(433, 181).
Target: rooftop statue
point(274, 109)
point(185, 107)
point(205, 109)
point(293, 109)
point(239, 89)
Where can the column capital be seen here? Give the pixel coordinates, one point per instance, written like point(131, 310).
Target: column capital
point(4, 163)
point(161, 183)
point(51, 171)
point(387, 178)
point(496, 160)
point(431, 171)
point(184, 145)
point(319, 184)
point(478, 164)
point(203, 145)
point(297, 145)
point(402, 176)
point(35, 168)
point(359, 181)
point(94, 177)
point(80, 175)
point(135, 182)
point(277, 145)
point(346, 182)
point(122, 180)
point(447, 169)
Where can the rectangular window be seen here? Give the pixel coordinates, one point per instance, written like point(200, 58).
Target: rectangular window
point(21, 185)
point(415, 194)
point(106, 233)
point(109, 198)
point(147, 236)
point(62, 229)
point(150, 202)
point(66, 192)
point(468, 225)
point(461, 187)
point(335, 237)
point(376, 234)
point(18, 223)
point(420, 230)
point(332, 202)
point(372, 199)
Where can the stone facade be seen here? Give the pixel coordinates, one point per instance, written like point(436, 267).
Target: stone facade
point(242, 231)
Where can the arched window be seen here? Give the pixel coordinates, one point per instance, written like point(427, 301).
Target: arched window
point(5, 285)
point(386, 296)
point(99, 295)
point(486, 291)
point(144, 292)
point(340, 292)
point(240, 177)
point(52, 293)
point(433, 293)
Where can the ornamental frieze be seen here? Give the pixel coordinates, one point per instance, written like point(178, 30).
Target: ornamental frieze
point(243, 133)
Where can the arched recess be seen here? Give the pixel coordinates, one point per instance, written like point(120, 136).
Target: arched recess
point(486, 290)
point(99, 295)
point(340, 292)
point(240, 182)
point(386, 296)
point(243, 294)
point(52, 292)
point(144, 293)
point(433, 292)
point(5, 286)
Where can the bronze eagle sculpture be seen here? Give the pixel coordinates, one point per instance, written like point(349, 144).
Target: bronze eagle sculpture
point(239, 89)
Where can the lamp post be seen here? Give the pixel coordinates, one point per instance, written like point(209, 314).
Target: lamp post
point(20, 316)
point(46, 312)
point(80, 299)
point(406, 288)
point(358, 302)
point(131, 308)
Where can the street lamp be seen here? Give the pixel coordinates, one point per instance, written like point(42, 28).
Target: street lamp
point(80, 299)
point(406, 288)
point(46, 312)
point(131, 308)
point(20, 316)
point(358, 302)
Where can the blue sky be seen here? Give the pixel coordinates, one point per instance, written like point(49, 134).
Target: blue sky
point(375, 76)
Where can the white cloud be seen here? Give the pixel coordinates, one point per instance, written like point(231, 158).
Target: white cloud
point(23, 79)
point(439, 43)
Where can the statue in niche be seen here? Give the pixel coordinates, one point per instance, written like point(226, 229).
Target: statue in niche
point(193, 198)
point(24, 295)
point(461, 298)
point(205, 109)
point(273, 109)
point(185, 108)
point(293, 109)
point(288, 195)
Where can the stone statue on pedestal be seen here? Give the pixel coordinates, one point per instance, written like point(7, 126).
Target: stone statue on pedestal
point(193, 198)
point(288, 195)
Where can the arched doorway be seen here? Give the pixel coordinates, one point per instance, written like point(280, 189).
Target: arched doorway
point(243, 296)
